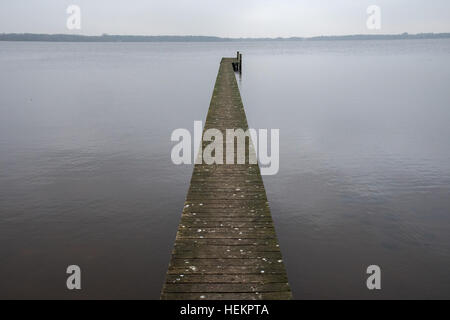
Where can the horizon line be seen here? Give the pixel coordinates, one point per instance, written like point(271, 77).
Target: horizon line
point(67, 36)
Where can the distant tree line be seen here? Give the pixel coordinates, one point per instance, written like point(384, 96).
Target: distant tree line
point(131, 38)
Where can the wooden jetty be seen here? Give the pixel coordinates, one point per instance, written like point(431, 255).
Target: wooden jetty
point(226, 247)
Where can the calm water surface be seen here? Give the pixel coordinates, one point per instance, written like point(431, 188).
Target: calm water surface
point(86, 176)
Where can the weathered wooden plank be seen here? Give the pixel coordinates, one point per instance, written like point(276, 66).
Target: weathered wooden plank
point(226, 220)
point(225, 287)
point(221, 262)
point(215, 252)
point(228, 296)
point(233, 278)
point(227, 232)
point(229, 242)
point(226, 270)
point(225, 236)
point(190, 246)
point(226, 245)
point(226, 225)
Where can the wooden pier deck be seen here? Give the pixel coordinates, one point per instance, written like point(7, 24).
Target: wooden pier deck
point(226, 246)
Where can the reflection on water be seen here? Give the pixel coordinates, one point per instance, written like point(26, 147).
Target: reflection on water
point(86, 176)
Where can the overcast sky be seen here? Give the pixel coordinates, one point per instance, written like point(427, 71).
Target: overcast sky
point(230, 18)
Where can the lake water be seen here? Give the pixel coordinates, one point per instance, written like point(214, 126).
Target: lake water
point(86, 176)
